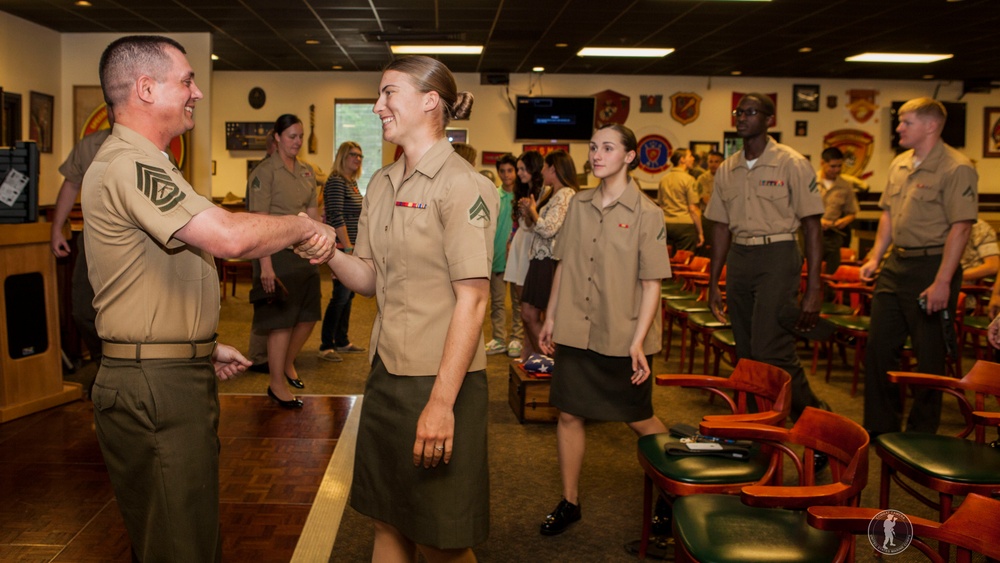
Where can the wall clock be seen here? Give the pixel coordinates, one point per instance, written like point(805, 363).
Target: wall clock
point(257, 97)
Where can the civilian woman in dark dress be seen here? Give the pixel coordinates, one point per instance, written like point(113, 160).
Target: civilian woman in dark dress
point(342, 203)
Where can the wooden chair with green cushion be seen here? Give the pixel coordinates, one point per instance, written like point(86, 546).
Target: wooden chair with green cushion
point(948, 465)
point(702, 325)
point(973, 528)
point(723, 344)
point(768, 522)
point(851, 330)
point(757, 383)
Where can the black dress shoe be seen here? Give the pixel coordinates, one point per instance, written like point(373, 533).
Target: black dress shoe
point(296, 383)
point(293, 404)
point(565, 514)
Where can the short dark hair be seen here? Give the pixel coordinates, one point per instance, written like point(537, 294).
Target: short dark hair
point(506, 158)
point(832, 153)
point(285, 121)
point(127, 58)
point(765, 101)
point(716, 153)
point(678, 155)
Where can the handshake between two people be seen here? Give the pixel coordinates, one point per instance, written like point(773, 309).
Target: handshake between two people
point(321, 246)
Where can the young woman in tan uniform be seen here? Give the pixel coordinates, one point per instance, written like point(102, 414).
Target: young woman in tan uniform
point(602, 321)
point(284, 185)
point(424, 250)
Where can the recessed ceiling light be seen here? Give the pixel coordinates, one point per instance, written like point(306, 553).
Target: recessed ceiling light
point(312, 41)
point(437, 49)
point(897, 58)
point(215, 57)
point(338, 67)
point(622, 52)
point(562, 45)
point(736, 72)
point(538, 69)
point(928, 77)
point(805, 50)
point(82, 3)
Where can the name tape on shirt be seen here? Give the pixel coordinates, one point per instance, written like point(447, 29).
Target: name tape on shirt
point(479, 214)
point(158, 186)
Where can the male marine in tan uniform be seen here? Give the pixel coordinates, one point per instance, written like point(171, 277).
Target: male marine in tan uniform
point(928, 208)
point(150, 240)
point(762, 194)
point(840, 206)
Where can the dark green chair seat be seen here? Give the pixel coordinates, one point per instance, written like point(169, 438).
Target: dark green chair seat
point(834, 309)
point(706, 320)
point(851, 322)
point(976, 322)
point(725, 337)
point(701, 470)
point(686, 306)
point(671, 294)
point(720, 528)
point(944, 457)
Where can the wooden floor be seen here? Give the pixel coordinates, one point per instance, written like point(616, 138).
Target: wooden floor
point(57, 503)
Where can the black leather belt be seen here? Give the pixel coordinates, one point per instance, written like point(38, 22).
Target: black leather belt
point(158, 350)
point(920, 251)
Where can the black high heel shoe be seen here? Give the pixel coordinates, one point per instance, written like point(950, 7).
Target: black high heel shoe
point(293, 404)
point(296, 383)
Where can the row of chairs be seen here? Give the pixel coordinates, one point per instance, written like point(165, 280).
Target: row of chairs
point(732, 510)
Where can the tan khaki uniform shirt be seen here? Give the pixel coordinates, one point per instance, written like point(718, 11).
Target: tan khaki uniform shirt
point(839, 199)
point(705, 185)
point(769, 199)
point(423, 232)
point(924, 201)
point(82, 155)
point(148, 286)
point(677, 191)
point(982, 244)
point(277, 191)
point(604, 255)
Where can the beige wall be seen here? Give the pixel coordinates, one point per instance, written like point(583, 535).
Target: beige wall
point(37, 68)
point(491, 127)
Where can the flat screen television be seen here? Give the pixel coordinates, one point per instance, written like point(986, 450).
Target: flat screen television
point(954, 127)
point(554, 119)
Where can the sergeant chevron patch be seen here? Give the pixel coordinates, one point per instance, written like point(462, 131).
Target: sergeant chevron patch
point(158, 186)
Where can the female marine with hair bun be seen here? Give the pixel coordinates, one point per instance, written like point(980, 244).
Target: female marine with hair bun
point(602, 323)
point(286, 291)
point(424, 249)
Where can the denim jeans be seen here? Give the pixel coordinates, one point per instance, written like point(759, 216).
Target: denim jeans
point(337, 318)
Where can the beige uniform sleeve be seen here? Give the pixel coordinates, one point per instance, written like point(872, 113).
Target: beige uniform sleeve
point(961, 195)
point(654, 263)
point(259, 186)
point(468, 214)
point(157, 200)
point(803, 190)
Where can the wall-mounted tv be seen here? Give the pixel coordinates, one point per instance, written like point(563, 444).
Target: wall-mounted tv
point(558, 119)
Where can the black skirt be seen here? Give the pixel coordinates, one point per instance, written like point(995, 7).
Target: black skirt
point(448, 506)
point(538, 283)
point(599, 387)
point(302, 305)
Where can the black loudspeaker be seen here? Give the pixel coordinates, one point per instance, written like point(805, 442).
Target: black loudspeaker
point(27, 331)
point(494, 78)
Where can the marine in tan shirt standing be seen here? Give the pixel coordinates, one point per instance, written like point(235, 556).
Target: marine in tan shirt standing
point(928, 207)
point(840, 206)
point(678, 196)
point(762, 195)
point(425, 251)
point(150, 241)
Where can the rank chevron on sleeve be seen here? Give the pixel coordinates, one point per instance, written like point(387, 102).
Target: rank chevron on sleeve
point(158, 186)
point(479, 210)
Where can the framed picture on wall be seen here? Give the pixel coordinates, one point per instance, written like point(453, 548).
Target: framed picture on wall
point(457, 135)
point(40, 107)
point(702, 148)
point(991, 132)
point(732, 143)
point(805, 97)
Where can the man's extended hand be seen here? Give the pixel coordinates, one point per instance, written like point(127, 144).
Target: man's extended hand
point(228, 362)
point(320, 247)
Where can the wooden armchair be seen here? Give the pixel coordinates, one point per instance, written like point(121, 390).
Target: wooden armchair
point(765, 386)
point(973, 528)
point(768, 522)
point(948, 465)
